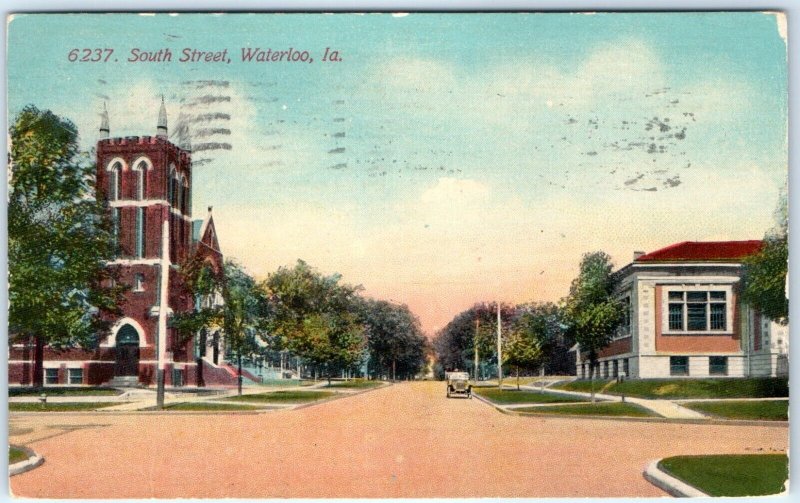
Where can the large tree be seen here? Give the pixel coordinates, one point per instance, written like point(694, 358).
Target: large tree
point(59, 237)
point(315, 317)
point(396, 343)
point(765, 272)
point(591, 310)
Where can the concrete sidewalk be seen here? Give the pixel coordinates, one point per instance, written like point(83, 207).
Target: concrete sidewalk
point(665, 408)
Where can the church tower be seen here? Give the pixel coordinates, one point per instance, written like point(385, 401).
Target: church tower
point(146, 182)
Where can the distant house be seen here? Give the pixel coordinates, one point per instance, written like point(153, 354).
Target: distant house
point(684, 317)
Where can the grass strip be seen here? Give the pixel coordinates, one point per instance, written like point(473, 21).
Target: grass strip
point(509, 396)
point(282, 397)
point(58, 407)
point(15, 455)
point(583, 386)
point(64, 391)
point(756, 387)
point(210, 406)
point(617, 409)
point(355, 384)
point(731, 475)
point(766, 387)
point(764, 410)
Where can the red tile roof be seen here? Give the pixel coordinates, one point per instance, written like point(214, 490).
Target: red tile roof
point(703, 251)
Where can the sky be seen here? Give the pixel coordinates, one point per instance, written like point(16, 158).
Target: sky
point(445, 159)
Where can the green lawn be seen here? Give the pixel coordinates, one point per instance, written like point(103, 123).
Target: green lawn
point(58, 407)
point(598, 409)
point(284, 382)
point(762, 387)
point(282, 397)
point(584, 386)
point(506, 396)
point(769, 410)
point(15, 455)
point(355, 384)
point(731, 475)
point(210, 406)
point(64, 391)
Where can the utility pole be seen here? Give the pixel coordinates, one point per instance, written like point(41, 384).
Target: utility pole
point(161, 345)
point(477, 359)
point(499, 350)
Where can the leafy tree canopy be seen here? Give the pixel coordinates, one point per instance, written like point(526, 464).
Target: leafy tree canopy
point(59, 237)
point(591, 311)
point(765, 272)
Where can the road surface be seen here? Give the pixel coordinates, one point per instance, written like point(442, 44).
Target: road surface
point(406, 440)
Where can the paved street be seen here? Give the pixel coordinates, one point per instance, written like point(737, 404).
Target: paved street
point(406, 440)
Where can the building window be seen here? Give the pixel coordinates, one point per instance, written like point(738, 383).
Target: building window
point(605, 368)
point(114, 181)
point(138, 282)
point(51, 376)
point(626, 367)
point(75, 376)
point(697, 311)
point(115, 218)
point(679, 365)
point(177, 377)
point(718, 365)
point(616, 368)
point(140, 232)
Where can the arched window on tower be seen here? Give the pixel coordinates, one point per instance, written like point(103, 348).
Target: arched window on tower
point(141, 180)
point(141, 232)
point(172, 193)
point(184, 195)
point(178, 204)
point(115, 181)
point(115, 217)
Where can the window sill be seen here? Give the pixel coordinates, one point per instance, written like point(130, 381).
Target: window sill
point(729, 334)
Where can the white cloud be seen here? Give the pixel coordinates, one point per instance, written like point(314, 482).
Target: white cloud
point(449, 190)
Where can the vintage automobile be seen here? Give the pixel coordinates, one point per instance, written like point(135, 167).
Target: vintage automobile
point(458, 384)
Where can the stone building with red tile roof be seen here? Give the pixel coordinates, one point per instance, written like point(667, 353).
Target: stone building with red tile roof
point(684, 317)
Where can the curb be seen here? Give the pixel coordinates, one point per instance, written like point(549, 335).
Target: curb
point(34, 460)
point(661, 479)
point(265, 410)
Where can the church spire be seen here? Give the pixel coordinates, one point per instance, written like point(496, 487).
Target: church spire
point(104, 129)
point(161, 129)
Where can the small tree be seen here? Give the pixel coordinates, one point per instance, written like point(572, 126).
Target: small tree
point(238, 316)
point(522, 350)
point(593, 314)
point(59, 237)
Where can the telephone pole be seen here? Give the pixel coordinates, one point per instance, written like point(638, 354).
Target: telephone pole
point(499, 350)
point(163, 296)
point(477, 360)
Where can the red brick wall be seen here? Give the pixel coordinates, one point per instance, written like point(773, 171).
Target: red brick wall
point(617, 347)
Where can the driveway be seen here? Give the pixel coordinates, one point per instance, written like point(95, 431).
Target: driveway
point(406, 440)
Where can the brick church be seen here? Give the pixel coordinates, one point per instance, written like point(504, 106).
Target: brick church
point(147, 183)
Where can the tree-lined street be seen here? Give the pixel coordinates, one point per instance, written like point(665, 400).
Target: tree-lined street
point(406, 440)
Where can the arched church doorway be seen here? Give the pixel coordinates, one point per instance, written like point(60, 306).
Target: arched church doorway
point(127, 352)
